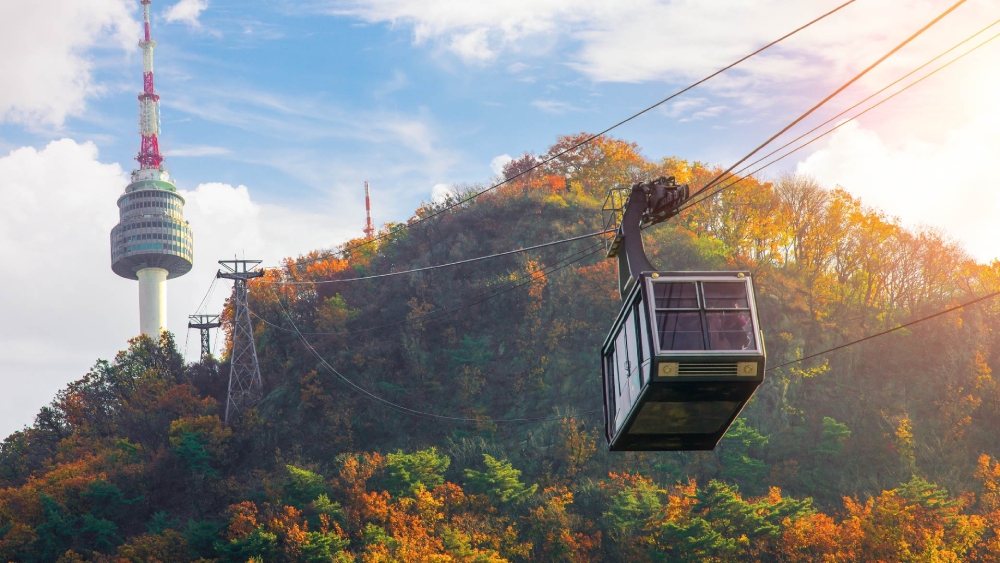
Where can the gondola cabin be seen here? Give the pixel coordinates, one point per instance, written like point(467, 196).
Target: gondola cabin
point(683, 357)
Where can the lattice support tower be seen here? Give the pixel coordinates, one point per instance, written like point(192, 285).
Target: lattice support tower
point(204, 324)
point(245, 386)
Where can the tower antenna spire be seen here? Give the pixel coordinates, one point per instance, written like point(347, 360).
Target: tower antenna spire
point(369, 229)
point(149, 102)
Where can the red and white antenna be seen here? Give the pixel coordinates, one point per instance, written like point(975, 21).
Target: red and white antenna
point(369, 229)
point(149, 103)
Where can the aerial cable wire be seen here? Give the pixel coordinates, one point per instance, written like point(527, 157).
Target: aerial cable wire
point(883, 89)
point(442, 312)
point(890, 331)
point(401, 408)
point(588, 140)
point(738, 180)
point(446, 311)
point(743, 178)
point(914, 83)
point(702, 197)
point(833, 94)
point(208, 295)
point(437, 266)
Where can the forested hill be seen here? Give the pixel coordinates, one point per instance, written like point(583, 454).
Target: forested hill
point(884, 451)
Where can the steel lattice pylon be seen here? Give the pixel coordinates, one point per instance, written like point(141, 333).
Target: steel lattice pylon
point(204, 323)
point(245, 385)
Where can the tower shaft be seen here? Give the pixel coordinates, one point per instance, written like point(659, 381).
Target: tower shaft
point(245, 385)
point(152, 301)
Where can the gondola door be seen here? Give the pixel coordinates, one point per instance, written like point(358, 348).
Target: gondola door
point(625, 365)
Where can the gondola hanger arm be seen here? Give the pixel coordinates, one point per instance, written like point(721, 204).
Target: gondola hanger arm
point(648, 204)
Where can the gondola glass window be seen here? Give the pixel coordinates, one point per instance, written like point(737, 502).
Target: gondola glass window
point(703, 316)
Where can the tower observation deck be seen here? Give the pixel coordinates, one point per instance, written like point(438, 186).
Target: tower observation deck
point(152, 242)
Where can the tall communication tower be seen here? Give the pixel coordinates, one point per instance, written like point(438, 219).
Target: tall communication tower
point(245, 385)
point(369, 228)
point(204, 324)
point(152, 242)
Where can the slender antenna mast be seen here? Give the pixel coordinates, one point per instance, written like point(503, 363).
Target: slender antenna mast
point(149, 102)
point(369, 229)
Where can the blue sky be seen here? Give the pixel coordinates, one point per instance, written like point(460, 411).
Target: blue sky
point(274, 114)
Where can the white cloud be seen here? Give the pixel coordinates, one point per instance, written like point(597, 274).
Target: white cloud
point(59, 303)
point(187, 11)
point(398, 82)
point(441, 192)
point(707, 113)
point(682, 107)
point(677, 40)
point(196, 151)
point(554, 106)
point(63, 307)
point(304, 118)
point(473, 47)
point(951, 184)
point(498, 162)
point(46, 72)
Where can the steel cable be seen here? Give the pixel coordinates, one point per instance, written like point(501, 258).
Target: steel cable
point(448, 265)
point(481, 297)
point(891, 330)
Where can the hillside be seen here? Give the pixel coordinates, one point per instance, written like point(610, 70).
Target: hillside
point(884, 451)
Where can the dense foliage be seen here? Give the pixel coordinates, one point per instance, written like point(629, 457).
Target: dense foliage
point(880, 452)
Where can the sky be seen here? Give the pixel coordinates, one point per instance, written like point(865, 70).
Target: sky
point(275, 113)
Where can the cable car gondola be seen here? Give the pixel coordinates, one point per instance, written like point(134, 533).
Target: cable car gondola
point(685, 353)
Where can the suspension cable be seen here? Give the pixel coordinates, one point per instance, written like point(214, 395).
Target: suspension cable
point(743, 178)
point(208, 295)
point(445, 310)
point(442, 312)
point(450, 264)
point(891, 330)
